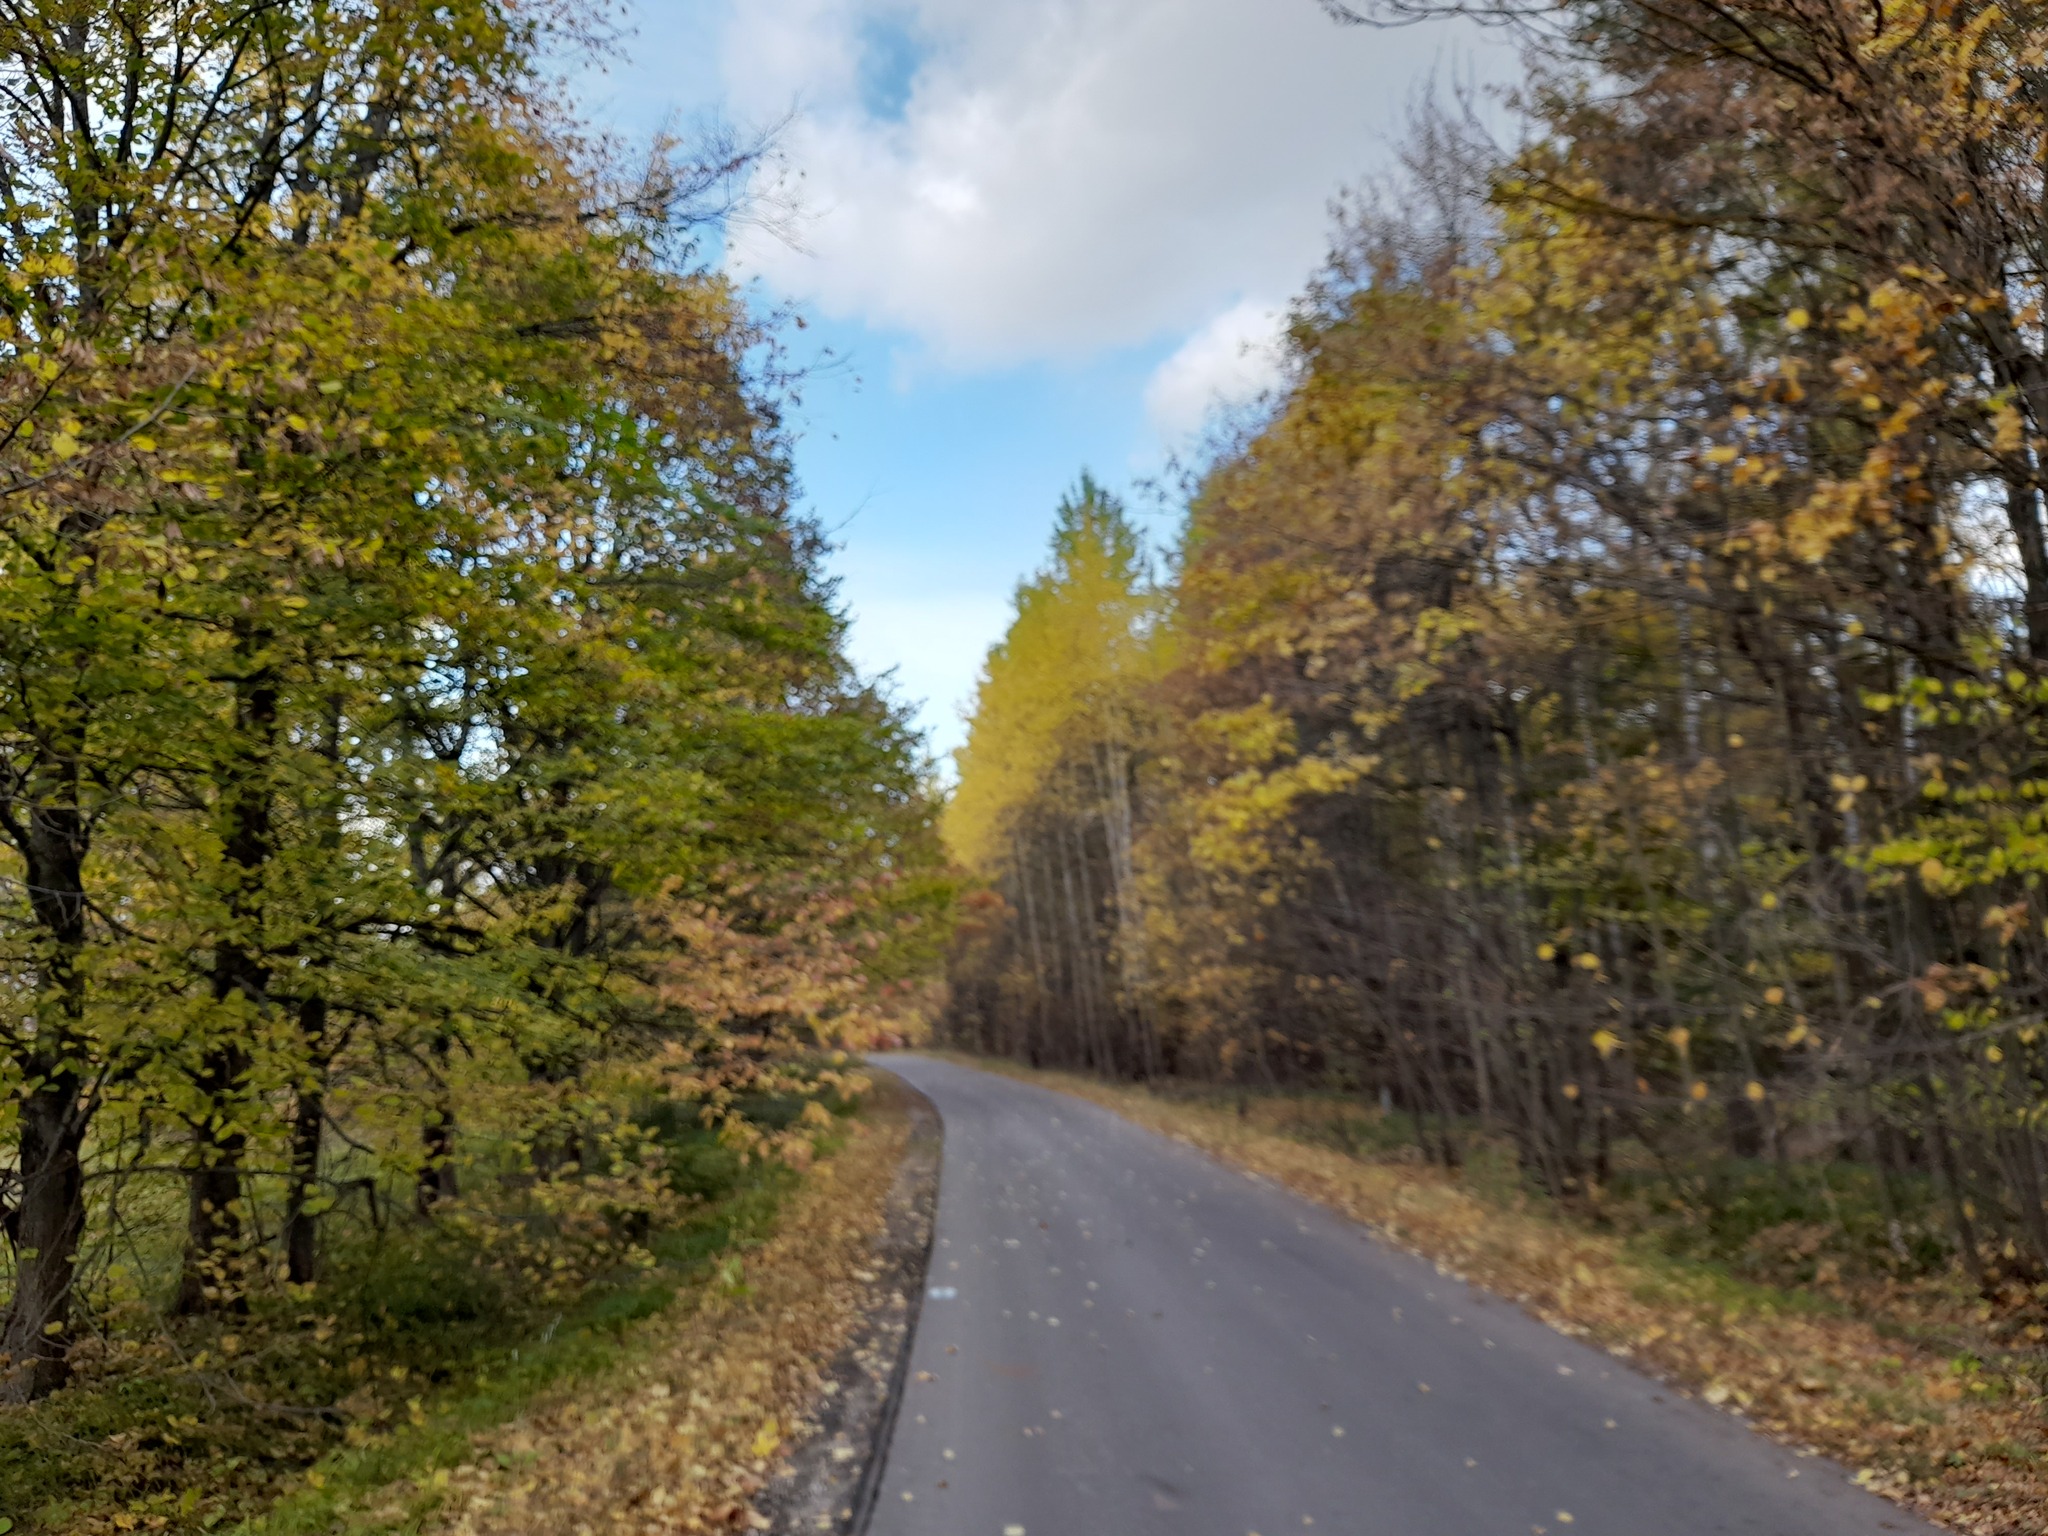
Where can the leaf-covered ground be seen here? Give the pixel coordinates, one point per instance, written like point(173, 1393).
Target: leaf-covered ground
point(1900, 1386)
point(685, 1434)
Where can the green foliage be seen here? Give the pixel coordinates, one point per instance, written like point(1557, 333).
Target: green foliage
point(420, 1334)
point(1792, 1227)
point(425, 734)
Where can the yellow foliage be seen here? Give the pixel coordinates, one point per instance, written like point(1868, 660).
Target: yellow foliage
point(1070, 674)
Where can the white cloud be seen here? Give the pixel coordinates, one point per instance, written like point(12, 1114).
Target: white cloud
point(1235, 358)
point(1065, 176)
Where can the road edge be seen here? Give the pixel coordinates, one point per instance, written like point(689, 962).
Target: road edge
point(855, 1417)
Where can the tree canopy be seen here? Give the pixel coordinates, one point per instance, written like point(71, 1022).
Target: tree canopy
point(421, 703)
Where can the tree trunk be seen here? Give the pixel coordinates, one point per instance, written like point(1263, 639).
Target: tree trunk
point(47, 1224)
point(1088, 934)
point(437, 1169)
point(437, 1141)
point(241, 980)
point(1042, 983)
point(309, 1118)
point(1120, 831)
point(211, 1278)
point(2023, 515)
point(45, 1227)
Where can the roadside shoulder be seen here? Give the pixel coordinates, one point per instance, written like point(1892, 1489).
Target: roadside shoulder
point(693, 1431)
point(834, 1471)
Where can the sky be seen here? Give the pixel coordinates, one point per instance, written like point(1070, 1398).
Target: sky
point(1027, 237)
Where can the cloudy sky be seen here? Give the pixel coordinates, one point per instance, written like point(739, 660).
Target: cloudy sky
point(1033, 236)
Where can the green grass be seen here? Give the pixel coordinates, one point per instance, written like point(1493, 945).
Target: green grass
point(586, 1343)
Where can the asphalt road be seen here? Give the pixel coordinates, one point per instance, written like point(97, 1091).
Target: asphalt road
point(1121, 1336)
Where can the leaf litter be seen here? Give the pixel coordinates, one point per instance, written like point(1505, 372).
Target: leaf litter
point(687, 1436)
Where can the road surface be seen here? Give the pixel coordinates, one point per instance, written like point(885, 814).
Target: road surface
point(1122, 1337)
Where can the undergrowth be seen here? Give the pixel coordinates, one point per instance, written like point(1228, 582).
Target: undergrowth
point(414, 1338)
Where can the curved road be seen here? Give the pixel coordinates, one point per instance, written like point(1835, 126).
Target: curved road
point(1122, 1337)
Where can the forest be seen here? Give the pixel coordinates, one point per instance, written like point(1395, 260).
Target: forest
point(1587, 736)
point(442, 839)
point(1596, 710)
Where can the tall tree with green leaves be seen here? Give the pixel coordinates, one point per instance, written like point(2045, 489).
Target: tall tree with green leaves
point(402, 618)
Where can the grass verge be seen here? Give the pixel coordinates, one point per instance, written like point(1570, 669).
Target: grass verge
point(391, 1480)
point(1905, 1387)
point(348, 1412)
point(683, 1423)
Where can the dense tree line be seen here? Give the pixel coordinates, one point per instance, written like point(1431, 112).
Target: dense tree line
point(418, 701)
point(1601, 703)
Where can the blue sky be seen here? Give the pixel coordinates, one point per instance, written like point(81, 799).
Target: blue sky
point(1036, 236)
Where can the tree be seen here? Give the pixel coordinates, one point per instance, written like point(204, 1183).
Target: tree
point(403, 621)
point(1045, 808)
point(1603, 712)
